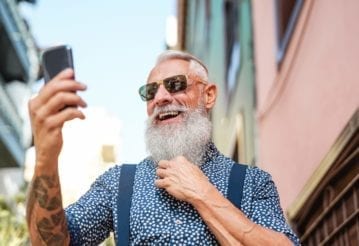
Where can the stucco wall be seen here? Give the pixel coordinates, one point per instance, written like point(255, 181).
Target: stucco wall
point(304, 105)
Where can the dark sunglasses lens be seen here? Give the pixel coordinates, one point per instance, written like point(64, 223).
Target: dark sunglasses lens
point(148, 92)
point(176, 83)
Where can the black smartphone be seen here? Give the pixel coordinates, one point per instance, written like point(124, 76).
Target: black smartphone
point(56, 59)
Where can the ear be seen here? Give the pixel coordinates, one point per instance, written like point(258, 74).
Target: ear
point(210, 95)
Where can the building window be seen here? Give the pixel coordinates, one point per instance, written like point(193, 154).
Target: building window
point(232, 44)
point(287, 12)
point(199, 21)
point(108, 153)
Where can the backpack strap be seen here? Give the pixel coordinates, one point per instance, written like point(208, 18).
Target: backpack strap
point(124, 199)
point(235, 184)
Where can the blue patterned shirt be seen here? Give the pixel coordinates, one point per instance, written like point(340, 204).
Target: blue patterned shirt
point(156, 218)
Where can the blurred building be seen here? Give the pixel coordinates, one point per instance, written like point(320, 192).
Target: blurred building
point(287, 72)
point(19, 66)
point(90, 147)
point(220, 33)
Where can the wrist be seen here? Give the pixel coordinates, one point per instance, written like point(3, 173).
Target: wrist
point(202, 195)
point(210, 199)
point(46, 165)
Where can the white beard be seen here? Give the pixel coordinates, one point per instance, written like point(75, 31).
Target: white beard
point(187, 138)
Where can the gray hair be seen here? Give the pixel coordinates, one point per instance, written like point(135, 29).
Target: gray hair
point(196, 66)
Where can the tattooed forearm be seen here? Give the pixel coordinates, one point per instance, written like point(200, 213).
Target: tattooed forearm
point(46, 229)
point(49, 218)
point(41, 188)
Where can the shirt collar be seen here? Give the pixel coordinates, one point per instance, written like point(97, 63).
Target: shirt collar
point(210, 153)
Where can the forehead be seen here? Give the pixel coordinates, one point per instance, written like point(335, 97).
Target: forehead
point(168, 68)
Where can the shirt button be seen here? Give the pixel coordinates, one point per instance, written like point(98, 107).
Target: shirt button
point(178, 222)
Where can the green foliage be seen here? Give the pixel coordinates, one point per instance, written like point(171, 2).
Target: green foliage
point(13, 229)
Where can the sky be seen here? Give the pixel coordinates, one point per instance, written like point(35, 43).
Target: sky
point(115, 44)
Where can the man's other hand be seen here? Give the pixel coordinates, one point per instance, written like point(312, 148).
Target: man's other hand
point(182, 179)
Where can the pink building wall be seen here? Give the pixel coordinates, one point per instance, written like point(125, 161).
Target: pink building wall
point(303, 106)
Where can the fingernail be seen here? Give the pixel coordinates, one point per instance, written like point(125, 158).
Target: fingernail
point(67, 70)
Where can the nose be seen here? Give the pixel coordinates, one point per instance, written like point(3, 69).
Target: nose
point(162, 96)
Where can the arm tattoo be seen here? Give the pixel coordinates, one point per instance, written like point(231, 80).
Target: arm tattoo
point(46, 191)
point(46, 226)
point(42, 184)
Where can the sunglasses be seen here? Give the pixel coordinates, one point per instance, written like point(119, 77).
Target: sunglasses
point(172, 84)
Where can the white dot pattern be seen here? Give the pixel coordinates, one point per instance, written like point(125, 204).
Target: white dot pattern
point(159, 219)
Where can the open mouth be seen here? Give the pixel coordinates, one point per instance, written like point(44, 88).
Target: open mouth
point(168, 115)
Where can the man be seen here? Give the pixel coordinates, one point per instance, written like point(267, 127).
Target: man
point(179, 192)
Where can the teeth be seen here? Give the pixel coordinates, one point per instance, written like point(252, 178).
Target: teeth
point(168, 114)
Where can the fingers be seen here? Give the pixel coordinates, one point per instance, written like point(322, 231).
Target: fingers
point(57, 86)
point(174, 167)
point(59, 95)
point(63, 82)
point(55, 96)
point(164, 168)
point(62, 99)
point(163, 164)
point(161, 173)
point(52, 108)
point(161, 183)
point(57, 120)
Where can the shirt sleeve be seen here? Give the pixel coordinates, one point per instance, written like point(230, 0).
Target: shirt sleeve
point(266, 209)
point(90, 220)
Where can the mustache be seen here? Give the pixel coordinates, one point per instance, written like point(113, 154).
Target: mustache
point(162, 109)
